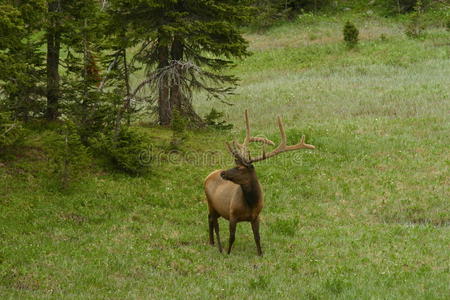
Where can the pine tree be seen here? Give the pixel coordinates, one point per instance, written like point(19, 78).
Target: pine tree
point(350, 33)
point(119, 39)
point(185, 45)
point(53, 37)
point(91, 108)
point(30, 81)
point(22, 69)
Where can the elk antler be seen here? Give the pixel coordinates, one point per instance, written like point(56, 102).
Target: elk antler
point(242, 154)
point(283, 147)
point(250, 139)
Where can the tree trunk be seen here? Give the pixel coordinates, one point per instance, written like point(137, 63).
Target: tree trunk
point(125, 108)
point(164, 108)
point(176, 96)
point(178, 100)
point(53, 50)
point(127, 85)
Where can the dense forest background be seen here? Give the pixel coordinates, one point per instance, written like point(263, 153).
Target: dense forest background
point(72, 62)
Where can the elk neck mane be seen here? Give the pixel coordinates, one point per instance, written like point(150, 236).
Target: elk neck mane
point(252, 192)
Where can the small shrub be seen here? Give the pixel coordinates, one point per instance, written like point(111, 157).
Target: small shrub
point(122, 151)
point(12, 132)
point(179, 125)
point(213, 120)
point(68, 157)
point(306, 19)
point(350, 34)
point(415, 26)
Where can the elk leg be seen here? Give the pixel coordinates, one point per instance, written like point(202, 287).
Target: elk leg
point(232, 234)
point(255, 228)
point(216, 228)
point(211, 228)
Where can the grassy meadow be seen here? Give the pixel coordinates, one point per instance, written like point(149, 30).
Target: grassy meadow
point(364, 216)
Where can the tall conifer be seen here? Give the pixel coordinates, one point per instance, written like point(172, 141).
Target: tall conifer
point(185, 46)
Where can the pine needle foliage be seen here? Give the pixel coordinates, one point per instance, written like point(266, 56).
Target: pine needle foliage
point(68, 157)
point(122, 151)
point(179, 38)
point(22, 69)
point(350, 34)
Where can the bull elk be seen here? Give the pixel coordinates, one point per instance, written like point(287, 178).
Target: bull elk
point(236, 194)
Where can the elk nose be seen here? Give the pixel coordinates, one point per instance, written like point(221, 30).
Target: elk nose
point(222, 174)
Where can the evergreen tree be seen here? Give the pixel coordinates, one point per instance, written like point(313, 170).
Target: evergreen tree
point(90, 107)
point(76, 27)
point(53, 37)
point(185, 44)
point(22, 69)
point(119, 40)
point(30, 84)
point(350, 33)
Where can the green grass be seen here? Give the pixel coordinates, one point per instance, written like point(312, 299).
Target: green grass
point(365, 216)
